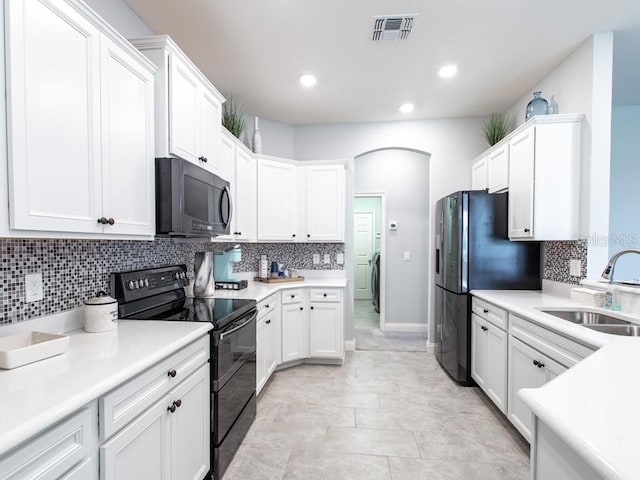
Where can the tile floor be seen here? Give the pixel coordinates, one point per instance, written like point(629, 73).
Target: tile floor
point(382, 415)
point(368, 335)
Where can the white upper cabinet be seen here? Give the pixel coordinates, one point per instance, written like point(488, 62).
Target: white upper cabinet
point(238, 167)
point(277, 200)
point(544, 179)
point(300, 201)
point(498, 169)
point(479, 174)
point(127, 142)
point(245, 196)
point(72, 127)
point(324, 194)
point(188, 107)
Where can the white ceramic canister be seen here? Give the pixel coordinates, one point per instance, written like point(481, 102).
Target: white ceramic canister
point(100, 313)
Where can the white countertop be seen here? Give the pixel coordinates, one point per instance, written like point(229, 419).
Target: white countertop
point(592, 406)
point(36, 396)
point(259, 291)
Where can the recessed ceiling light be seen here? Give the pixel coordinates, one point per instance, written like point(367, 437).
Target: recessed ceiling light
point(406, 108)
point(448, 71)
point(308, 80)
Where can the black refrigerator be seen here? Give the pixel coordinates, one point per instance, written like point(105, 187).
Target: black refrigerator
point(473, 252)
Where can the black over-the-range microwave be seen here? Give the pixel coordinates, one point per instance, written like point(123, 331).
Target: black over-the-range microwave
point(190, 201)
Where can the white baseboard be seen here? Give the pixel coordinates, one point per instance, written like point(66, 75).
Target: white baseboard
point(431, 347)
point(350, 345)
point(406, 327)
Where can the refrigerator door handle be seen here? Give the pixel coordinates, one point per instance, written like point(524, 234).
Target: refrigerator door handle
point(437, 261)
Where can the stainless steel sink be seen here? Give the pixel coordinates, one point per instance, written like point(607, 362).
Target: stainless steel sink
point(586, 317)
point(598, 321)
point(629, 330)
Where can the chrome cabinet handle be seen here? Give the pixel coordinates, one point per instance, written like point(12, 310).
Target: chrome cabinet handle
point(485, 310)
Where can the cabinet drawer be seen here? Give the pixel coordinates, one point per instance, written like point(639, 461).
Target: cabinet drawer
point(55, 452)
point(127, 402)
point(325, 295)
point(557, 347)
point(294, 295)
point(267, 305)
point(490, 312)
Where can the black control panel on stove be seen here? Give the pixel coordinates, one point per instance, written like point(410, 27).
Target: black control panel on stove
point(137, 284)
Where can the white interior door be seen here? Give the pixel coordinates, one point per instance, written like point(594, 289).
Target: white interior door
point(363, 224)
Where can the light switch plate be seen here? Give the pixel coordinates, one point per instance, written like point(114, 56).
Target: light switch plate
point(407, 255)
point(33, 287)
point(340, 258)
point(327, 258)
point(575, 267)
point(316, 259)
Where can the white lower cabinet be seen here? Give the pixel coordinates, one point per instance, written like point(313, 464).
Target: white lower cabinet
point(65, 451)
point(489, 351)
point(267, 340)
point(325, 324)
point(528, 368)
point(157, 424)
point(295, 332)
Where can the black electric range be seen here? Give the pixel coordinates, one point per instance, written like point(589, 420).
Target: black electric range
point(158, 294)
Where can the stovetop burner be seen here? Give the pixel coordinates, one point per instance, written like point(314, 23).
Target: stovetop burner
point(158, 294)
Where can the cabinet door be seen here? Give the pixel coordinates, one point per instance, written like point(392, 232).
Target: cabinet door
point(498, 174)
point(479, 350)
point(127, 143)
point(325, 330)
point(245, 197)
point(295, 332)
point(53, 96)
point(227, 153)
point(325, 203)
point(521, 171)
point(209, 136)
point(523, 373)
point(184, 121)
point(496, 366)
point(140, 450)
point(479, 175)
point(277, 201)
point(190, 427)
point(262, 345)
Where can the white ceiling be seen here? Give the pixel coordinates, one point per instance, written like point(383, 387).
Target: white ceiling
point(255, 49)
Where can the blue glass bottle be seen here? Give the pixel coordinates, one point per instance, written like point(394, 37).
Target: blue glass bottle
point(537, 106)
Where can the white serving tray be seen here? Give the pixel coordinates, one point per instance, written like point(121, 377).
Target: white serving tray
point(23, 348)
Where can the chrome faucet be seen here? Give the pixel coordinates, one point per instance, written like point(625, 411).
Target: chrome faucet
point(608, 270)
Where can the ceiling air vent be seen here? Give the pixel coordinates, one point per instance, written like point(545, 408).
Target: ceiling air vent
point(392, 28)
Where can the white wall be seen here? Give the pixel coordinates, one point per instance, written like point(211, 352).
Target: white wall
point(582, 83)
point(402, 175)
point(452, 143)
point(277, 137)
point(624, 221)
point(121, 17)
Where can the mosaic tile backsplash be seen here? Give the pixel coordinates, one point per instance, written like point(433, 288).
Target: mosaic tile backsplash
point(74, 270)
point(556, 260)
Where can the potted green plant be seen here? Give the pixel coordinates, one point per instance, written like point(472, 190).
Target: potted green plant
point(496, 127)
point(233, 116)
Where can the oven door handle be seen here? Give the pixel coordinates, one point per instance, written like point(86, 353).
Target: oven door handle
point(244, 324)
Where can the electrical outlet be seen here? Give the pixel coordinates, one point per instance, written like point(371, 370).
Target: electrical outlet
point(575, 267)
point(327, 258)
point(33, 287)
point(340, 258)
point(316, 259)
point(407, 255)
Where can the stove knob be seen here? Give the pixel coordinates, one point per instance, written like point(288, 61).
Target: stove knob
point(141, 283)
point(146, 282)
point(177, 276)
point(131, 285)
